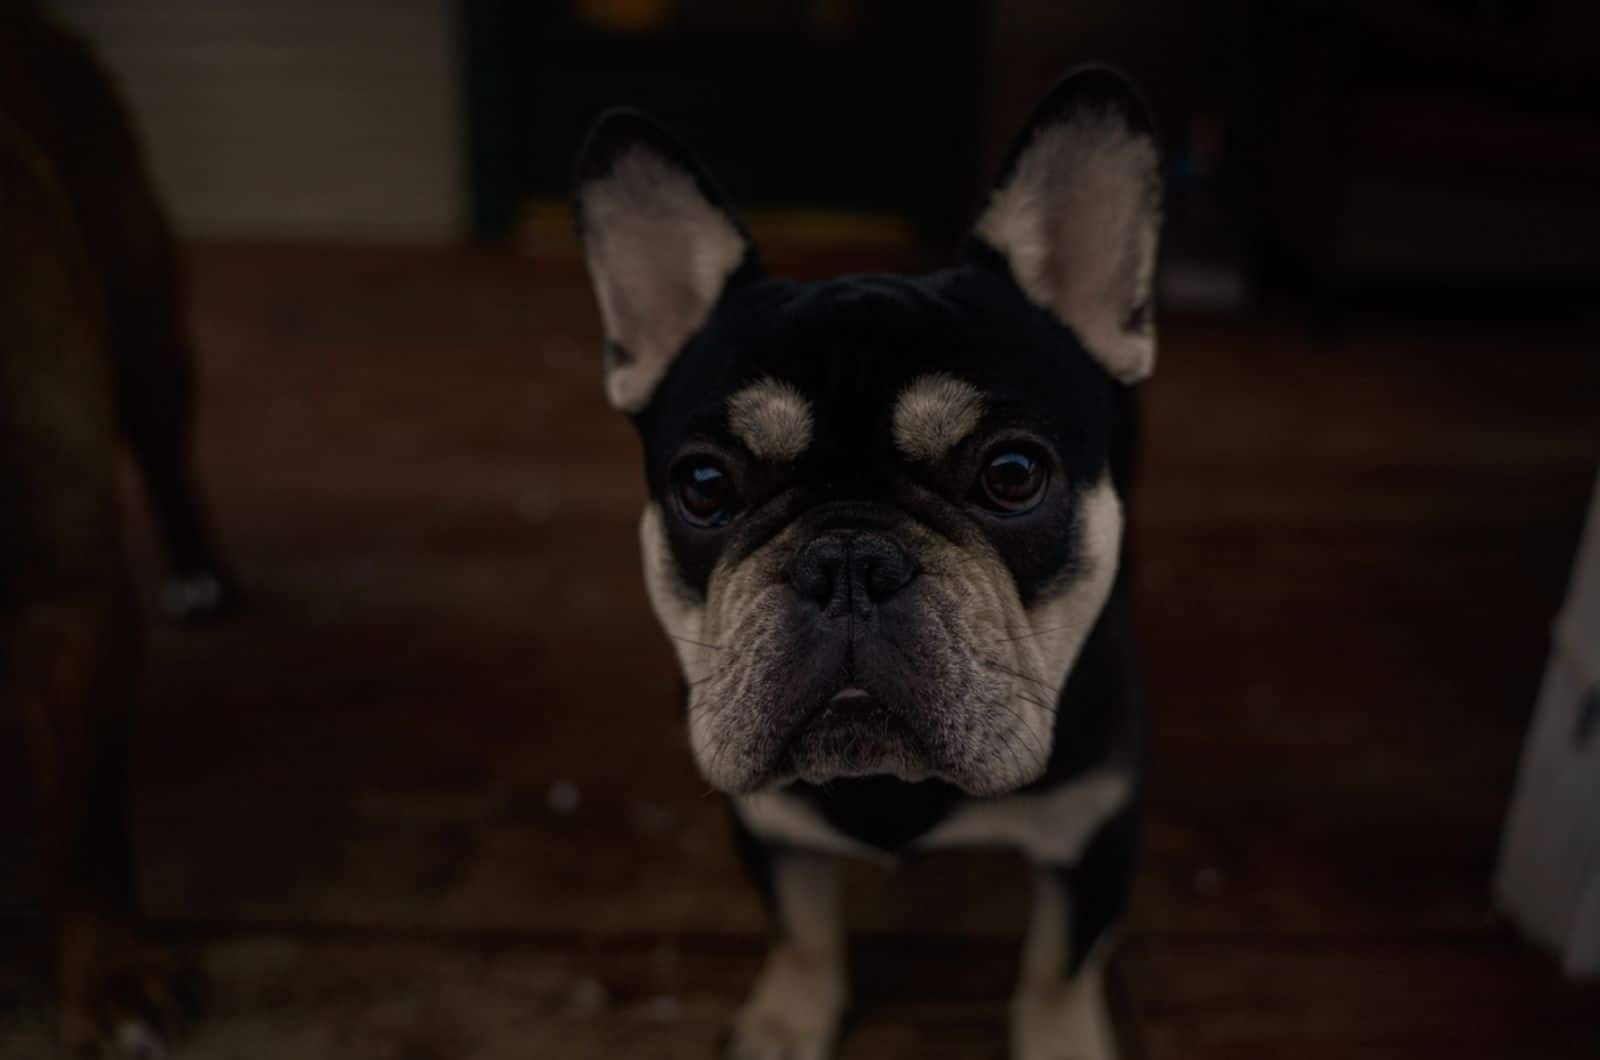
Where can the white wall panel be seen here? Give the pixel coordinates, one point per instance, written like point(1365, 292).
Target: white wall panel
point(292, 119)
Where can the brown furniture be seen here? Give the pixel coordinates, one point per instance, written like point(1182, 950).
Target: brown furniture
point(1433, 142)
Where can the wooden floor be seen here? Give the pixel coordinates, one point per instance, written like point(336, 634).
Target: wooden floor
point(430, 799)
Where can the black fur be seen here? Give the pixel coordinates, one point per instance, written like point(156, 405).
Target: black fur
point(1099, 884)
point(851, 345)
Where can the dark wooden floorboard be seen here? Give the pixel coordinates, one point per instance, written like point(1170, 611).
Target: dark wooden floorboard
point(1349, 558)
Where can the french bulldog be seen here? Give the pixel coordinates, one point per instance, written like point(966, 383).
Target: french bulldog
point(884, 534)
point(92, 352)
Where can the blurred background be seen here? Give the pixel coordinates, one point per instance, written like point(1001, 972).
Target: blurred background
point(429, 795)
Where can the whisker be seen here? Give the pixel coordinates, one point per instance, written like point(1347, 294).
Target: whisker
point(1011, 748)
point(1048, 709)
point(714, 672)
point(1022, 723)
point(1035, 633)
point(721, 747)
point(700, 643)
point(1019, 675)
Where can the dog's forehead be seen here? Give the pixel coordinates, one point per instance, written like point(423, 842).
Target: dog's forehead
point(849, 348)
point(863, 362)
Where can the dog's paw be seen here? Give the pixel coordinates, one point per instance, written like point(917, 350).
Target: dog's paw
point(120, 997)
point(794, 1011)
point(1066, 1022)
point(199, 598)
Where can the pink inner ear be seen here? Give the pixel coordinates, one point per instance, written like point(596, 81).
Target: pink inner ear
point(658, 254)
point(1077, 221)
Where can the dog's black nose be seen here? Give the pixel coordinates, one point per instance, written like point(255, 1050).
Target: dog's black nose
point(855, 571)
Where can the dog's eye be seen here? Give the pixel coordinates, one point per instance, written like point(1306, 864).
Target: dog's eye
point(706, 493)
point(1013, 480)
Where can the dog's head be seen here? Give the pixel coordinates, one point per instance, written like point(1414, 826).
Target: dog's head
point(881, 519)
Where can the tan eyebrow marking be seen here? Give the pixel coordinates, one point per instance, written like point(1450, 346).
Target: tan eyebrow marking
point(933, 414)
point(772, 418)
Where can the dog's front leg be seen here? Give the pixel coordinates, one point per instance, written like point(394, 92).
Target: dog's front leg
point(1059, 1011)
point(799, 998)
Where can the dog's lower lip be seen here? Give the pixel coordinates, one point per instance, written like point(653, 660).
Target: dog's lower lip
point(846, 697)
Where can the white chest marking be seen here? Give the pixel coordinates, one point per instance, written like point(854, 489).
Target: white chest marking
point(1050, 827)
point(780, 818)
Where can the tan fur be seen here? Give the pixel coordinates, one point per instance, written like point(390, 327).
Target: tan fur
point(773, 420)
point(964, 602)
point(1077, 221)
point(933, 415)
point(1059, 624)
point(998, 666)
point(658, 254)
point(682, 617)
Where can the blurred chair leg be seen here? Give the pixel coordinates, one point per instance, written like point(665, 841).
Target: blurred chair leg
point(69, 670)
point(155, 392)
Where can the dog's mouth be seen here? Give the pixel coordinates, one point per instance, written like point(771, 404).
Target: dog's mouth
point(852, 733)
point(852, 697)
point(916, 691)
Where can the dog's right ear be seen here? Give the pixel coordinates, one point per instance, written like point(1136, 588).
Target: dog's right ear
point(660, 246)
point(1076, 213)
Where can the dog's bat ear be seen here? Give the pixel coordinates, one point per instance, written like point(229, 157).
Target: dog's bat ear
point(660, 246)
point(1076, 212)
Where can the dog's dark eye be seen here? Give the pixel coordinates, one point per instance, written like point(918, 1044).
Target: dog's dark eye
point(705, 492)
point(1012, 480)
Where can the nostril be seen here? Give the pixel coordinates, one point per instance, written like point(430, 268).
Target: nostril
point(883, 580)
point(880, 567)
point(815, 573)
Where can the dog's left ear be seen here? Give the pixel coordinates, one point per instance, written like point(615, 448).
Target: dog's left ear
point(1076, 212)
point(660, 246)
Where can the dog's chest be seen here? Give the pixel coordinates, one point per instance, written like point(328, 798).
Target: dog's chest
point(1049, 826)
